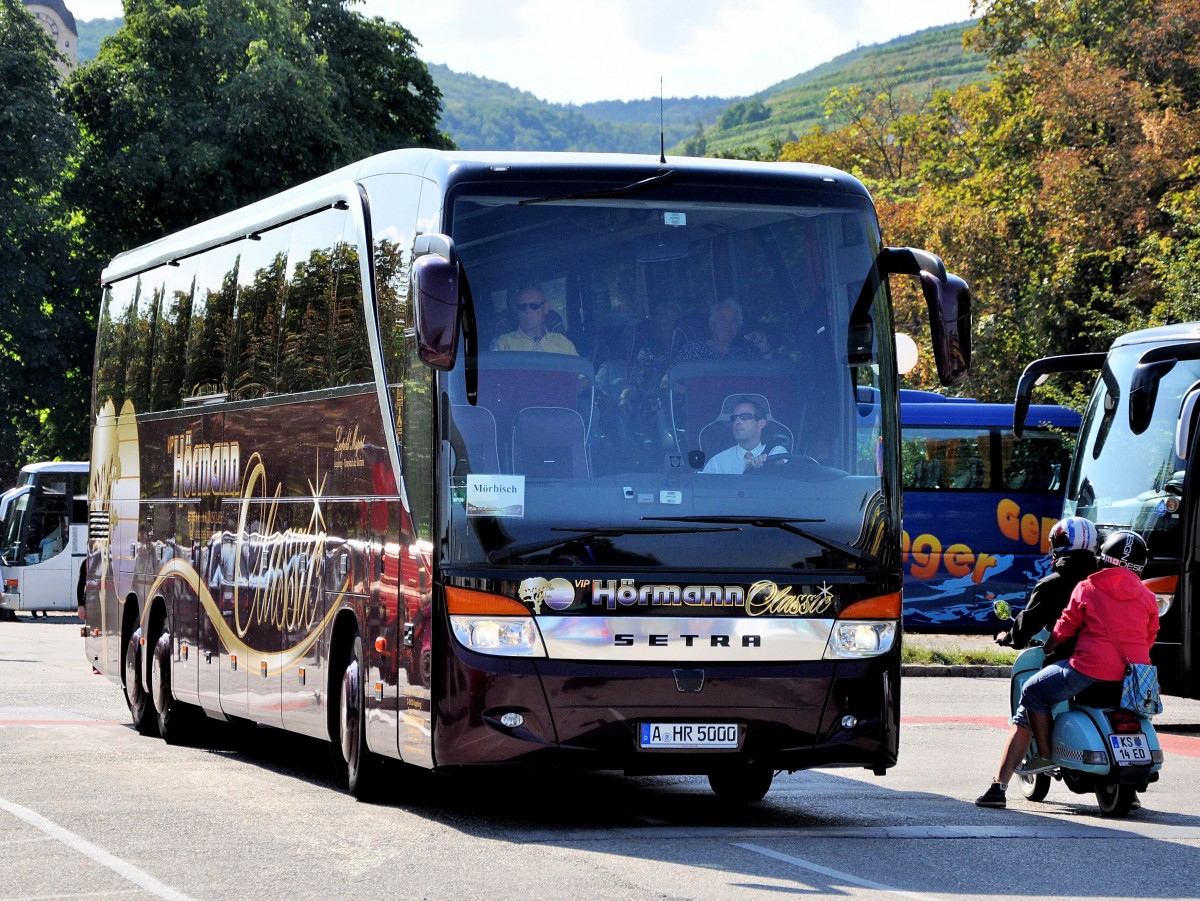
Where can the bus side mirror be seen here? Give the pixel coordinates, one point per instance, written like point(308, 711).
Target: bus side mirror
point(949, 302)
point(435, 286)
point(1186, 423)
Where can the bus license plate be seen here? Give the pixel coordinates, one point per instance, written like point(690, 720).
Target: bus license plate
point(689, 735)
point(1130, 750)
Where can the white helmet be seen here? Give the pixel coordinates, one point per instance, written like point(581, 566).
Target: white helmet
point(1072, 534)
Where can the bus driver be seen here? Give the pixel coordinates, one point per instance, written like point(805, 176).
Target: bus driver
point(747, 422)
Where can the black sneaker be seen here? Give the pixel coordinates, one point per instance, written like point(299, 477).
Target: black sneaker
point(993, 797)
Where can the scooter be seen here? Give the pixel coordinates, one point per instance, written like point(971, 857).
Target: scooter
point(1097, 746)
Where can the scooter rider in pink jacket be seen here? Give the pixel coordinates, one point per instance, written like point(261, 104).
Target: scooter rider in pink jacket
point(1113, 617)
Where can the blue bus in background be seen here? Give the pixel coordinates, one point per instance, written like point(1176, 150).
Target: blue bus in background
point(978, 506)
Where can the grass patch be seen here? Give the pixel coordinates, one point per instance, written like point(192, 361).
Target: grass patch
point(957, 657)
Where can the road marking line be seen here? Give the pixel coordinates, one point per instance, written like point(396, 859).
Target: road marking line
point(832, 874)
point(122, 868)
point(1187, 745)
point(4, 723)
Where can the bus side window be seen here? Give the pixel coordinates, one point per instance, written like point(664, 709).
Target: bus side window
point(113, 342)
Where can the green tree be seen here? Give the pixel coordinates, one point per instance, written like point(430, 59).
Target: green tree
point(39, 334)
point(696, 145)
point(198, 106)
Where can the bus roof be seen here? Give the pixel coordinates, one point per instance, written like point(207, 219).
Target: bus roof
point(446, 167)
point(55, 466)
point(1179, 332)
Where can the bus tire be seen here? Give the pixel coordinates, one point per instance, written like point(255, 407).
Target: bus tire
point(175, 719)
point(141, 711)
point(746, 784)
point(353, 761)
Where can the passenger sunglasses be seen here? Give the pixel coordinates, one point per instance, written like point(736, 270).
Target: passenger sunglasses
point(744, 417)
point(528, 306)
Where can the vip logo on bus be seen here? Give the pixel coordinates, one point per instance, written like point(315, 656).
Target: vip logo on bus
point(204, 469)
point(557, 594)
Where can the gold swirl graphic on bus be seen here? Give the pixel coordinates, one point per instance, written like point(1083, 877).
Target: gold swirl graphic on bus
point(286, 561)
point(276, 661)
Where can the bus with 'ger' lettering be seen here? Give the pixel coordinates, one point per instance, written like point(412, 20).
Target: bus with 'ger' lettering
point(979, 503)
point(514, 459)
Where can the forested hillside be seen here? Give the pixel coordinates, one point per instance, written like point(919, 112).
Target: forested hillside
point(915, 64)
point(482, 114)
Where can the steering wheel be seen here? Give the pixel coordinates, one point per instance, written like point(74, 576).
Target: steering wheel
point(776, 460)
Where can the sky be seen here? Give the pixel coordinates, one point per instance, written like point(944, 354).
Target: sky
point(579, 51)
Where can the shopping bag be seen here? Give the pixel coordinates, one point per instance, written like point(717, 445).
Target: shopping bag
point(1139, 692)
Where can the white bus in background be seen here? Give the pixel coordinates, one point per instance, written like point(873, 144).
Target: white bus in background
point(43, 538)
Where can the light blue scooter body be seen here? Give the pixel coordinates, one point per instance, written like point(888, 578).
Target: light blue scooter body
point(1080, 732)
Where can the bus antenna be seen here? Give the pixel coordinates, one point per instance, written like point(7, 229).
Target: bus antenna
point(662, 135)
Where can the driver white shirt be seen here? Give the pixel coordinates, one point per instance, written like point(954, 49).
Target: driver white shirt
point(733, 460)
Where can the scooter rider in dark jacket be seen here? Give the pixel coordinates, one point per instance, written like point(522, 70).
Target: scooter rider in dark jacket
point(1073, 552)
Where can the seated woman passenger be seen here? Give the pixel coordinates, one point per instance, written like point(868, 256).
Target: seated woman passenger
point(725, 341)
point(747, 422)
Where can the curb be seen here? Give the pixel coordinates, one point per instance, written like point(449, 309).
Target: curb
point(961, 670)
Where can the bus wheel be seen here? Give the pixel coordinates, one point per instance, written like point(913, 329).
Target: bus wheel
point(140, 708)
point(1115, 800)
point(1035, 787)
point(174, 717)
point(352, 760)
point(741, 785)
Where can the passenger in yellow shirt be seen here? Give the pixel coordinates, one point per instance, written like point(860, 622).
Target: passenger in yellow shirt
point(532, 334)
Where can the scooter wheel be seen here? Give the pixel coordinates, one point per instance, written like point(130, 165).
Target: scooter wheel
point(1115, 800)
point(1035, 787)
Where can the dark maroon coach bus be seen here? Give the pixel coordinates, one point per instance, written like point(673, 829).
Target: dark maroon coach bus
point(563, 459)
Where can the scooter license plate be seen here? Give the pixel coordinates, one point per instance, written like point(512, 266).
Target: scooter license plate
point(1130, 749)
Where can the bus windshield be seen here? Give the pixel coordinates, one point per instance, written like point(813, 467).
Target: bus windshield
point(664, 377)
point(1123, 480)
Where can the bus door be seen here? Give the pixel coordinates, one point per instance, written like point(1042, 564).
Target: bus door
point(178, 544)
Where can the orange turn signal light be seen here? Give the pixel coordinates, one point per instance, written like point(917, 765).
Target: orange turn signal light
point(465, 601)
point(1162, 584)
point(886, 606)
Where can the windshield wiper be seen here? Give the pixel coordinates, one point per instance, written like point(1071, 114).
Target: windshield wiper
point(787, 524)
point(584, 533)
point(662, 177)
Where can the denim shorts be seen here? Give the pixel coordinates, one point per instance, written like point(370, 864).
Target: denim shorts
point(1052, 684)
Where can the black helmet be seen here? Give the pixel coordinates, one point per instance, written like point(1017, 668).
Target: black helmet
point(1124, 548)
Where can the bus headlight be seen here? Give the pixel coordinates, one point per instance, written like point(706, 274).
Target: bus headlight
point(865, 628)
point(860, 639)
point(1164, 603)
point(493, 624)
point(507, 636)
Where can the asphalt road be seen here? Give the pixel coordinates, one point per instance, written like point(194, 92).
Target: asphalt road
point(89, 809)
